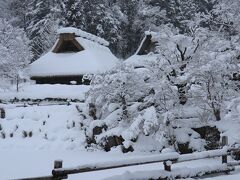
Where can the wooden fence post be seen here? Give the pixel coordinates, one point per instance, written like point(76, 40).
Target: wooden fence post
point(2, 113)
point(167, 165)
point(224, 143)
point(58, 164)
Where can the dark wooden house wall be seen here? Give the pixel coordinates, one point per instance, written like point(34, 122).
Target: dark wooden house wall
point(61, 80)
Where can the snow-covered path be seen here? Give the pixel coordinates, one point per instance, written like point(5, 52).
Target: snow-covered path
point(28, 163)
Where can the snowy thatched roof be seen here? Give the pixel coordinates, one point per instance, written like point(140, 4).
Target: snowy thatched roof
point(83, 34)
point(75, 53)
point(147, 44)
point(145, 52)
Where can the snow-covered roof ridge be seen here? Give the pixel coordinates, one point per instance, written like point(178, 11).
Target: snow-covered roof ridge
point(153, 33)
point(83, 34)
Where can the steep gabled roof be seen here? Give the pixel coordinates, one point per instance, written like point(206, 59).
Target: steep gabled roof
point(148, 43)
point(67, 43)
point(145, 52)
point(79, 53)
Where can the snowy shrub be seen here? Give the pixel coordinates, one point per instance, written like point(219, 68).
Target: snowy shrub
point(73, 124)
point(11, 135)
point(16, 127)
point(30, 133)
point(189, 138)
point(45, 136)
point(24, 134)
point(3, 135)
point(122, 98)
point(120, 86)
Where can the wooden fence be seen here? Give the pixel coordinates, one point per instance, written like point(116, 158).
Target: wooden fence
point(168, 159)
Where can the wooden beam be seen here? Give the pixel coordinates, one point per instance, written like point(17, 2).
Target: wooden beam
point(58, 45)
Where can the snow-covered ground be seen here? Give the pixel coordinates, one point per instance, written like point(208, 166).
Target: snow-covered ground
point(76, 92)
point(31, 163)
point(41, 127)
point(32, 137)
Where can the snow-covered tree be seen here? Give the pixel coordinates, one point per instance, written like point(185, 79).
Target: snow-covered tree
point(19, 10)
point(131, 26)
point(121, 86)
point(177, 12)
point(216, 63)
point(71, 13)
point(4, 4)
point(225, 16)
point(175, 57)
point(124, 101)
point(15, 53)
point(41, 28)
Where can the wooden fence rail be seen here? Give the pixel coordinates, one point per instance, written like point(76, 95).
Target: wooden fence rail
point(167, 159)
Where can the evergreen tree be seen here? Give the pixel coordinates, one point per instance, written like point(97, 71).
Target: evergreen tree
point(72, 14)
point(15, 53)
point(101, 19)
point(132, 30)
point(179, 12)
point(4, 5)
point(19, 9)
point(41, 27)
point(225, 17)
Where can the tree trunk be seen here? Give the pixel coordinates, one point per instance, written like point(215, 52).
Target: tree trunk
point(124, 108)
point(92, 111)
point(17, 83)
point(217, 114)
point(182, 93)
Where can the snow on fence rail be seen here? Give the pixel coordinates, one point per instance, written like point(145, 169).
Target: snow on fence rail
point(167, 159)
point(176, 174)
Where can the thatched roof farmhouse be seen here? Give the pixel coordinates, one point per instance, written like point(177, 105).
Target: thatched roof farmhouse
point(75, 54)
